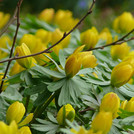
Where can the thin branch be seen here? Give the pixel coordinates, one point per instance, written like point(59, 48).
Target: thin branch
point(14, 40)
point(87, 109)
point(64, 36)
point(118, 42)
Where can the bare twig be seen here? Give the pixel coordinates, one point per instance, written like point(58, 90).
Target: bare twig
point(14, 40)
point(118, 42)
point(87, 109)
point(64, 36)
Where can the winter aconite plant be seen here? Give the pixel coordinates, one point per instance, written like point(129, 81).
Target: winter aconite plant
point(62, 80)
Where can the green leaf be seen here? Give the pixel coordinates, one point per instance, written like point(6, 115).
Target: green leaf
point(35, 89)
point(42, 97)
point(47, 71)
point(62, 58)
point(51, 117)
point(53, 86)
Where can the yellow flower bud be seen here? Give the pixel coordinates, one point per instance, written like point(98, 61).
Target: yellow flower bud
point(128, 106)
point(30, 41)
point(24, 130)
point(110, 103)
point(73, 65)
point(11, 129)
point(16, 69)
point(47, 15)
point(23, 50)
point(123, 104)
point(102, 122)
point(124, 23)
point(88, 60)
point(3, 19)
point(57, 35)
point(90, 38)
point(91, 131)
point(44, 35)
point(66, 112)
point(120, 51)
point(106, 35)
point(121, 74)
point(15, 112)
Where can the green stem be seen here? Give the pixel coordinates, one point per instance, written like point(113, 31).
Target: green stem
point(27, 102)
point(76, 115)
point(39, 110)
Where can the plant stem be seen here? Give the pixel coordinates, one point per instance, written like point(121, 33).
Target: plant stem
point(27, 102)
point(39, 110)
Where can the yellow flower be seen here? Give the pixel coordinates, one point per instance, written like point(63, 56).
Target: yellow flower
point(102, 122)
point(90, 38)
point(128, 105)
point(121, 74)
point(120, 51)
point(88, 60)
point(110, 103)
point(106, 35)
point(30, 41)
point(16, 69)
point(44, 35)
point(16, 112)
point(3, 19)
point(13, 129)
point(23, 50)
point(91, 131)
point(4, 41)
point(65, 20)
point(57, 35)
point(73, 65)
point(5, 84)
point(124, 22)
point(81, 130)
point(47, 15)
point(66, 112)
point(24, 130)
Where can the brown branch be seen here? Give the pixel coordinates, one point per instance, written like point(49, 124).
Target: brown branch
point(64, 36)
point(87, 109)
point(14, 40)
point(118, 42)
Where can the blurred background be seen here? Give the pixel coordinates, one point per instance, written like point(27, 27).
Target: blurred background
point(106, 10)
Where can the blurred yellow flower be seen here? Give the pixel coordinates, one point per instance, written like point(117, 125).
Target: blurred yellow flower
point(4, 18)
point(16, 69)
point(65, 20)
point(13, 129)
point(110, 103)
point(120, 51)
point(44, 35)
point(106, 35)
point(29, 40)
point(90, 38)
point(47, 15)
point(5, 84)
point(66, 112)
point(102, 122)
point(4, 41)
point(121, 74)
point(124, 22)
